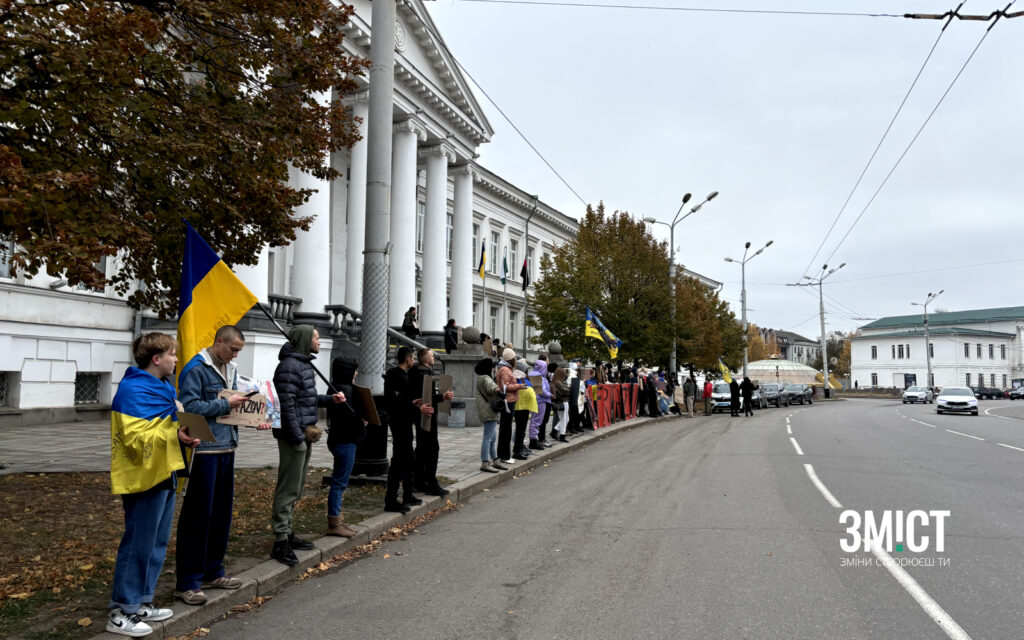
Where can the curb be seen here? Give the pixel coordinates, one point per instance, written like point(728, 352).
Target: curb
point(267, 577)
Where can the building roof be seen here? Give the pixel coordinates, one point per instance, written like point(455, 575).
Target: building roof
point(1001, 314)
point(789, 372)
point(789, 336)
point(940, 331)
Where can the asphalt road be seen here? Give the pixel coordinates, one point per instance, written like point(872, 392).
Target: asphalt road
point(704, 529)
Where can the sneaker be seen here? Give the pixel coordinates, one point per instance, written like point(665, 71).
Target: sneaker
point(149, 613)
point(282, 552)
point(511, 461)
point(411, 501)
point(298, 543)
point(223, 582)
point(127, 624)
point(486, 467)
point(192, 596)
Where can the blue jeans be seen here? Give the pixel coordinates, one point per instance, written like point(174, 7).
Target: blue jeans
point(344, 458)
point(140, 556)
point(489, 447)
point(205, 520)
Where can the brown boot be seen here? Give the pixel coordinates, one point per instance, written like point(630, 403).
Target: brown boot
point(336, 527)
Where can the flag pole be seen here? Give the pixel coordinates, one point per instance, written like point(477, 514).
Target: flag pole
point(285, 334)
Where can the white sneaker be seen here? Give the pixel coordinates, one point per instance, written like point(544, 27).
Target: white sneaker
point(127, 624)
point(509, 461)
point(150, 613)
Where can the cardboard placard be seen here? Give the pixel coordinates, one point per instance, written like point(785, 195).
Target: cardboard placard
point(487, 348)
point(444, 384)
point(427, 396)
point(196, 426)
point(537, 382)
point(251, 413)
point(369, 408)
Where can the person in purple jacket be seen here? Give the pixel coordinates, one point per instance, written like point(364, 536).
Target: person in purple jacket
point(540, 368)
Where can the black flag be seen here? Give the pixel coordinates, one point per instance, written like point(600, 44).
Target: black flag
point(524, 273)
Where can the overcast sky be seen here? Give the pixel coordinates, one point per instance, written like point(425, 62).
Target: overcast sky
point(780, 115)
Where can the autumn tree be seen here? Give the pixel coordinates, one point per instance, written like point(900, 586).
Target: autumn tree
point(119, 119)
point(771, 345)
point(617, 268)
point(836, 345)
point(756, 349)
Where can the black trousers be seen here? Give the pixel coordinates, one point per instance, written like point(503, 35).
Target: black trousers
point(574, 417)
point(544, 422)
point(522, 420)
point(641, 403)
point(505, 434)
point(427, 449)
point(402, 462)
point(734, 406)
point(652, 405)
point(748, 406)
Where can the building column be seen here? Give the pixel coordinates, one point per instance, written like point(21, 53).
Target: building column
point(256, 277)
point(356, 207)
point(434, 304)
point(407, 135)
point(462, 249)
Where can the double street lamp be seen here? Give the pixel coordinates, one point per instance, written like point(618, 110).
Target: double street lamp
point(743, 293)
point(825, 272)
point(672, 262)
point(927, 342)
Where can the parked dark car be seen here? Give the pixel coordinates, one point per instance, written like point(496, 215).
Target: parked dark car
point(801, 393)
point(1016, 394)
point(988, 392)
point(774, 394)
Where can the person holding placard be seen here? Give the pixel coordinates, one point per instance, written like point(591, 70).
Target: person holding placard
point(427, 447)
point(404, 406)
point(144, 459)
point(205, 520)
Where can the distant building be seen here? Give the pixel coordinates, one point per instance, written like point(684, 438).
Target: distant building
point(793, 346)
point(977, 347)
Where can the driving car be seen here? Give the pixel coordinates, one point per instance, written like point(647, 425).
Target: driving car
point(918, 394)
point(721, 397)
point(774, 394)
point(1016, 394)
point(987, 392)
point(956, 400)
point(801, 393)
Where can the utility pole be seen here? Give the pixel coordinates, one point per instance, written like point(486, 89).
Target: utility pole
point(927, 341)
point(825, 273)
point(743, 293)
point(374, 344)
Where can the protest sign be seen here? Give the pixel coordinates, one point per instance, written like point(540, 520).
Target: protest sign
point(251, 413)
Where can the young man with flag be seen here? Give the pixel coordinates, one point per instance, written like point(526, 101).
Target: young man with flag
point(144, 457)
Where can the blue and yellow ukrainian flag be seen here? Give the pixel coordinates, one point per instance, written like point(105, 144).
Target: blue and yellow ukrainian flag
point(593, 328)
point(211, 297)
point(726, 375)
point(483, 260)
point(143, 433)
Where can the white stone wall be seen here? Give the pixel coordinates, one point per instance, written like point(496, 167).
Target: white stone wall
point(949, 365)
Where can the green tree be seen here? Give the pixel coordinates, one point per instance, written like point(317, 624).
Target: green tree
point(118, 119)
point(837, 348)
point(706, 329)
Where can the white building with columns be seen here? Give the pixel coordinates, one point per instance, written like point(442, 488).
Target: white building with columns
point(62, 351)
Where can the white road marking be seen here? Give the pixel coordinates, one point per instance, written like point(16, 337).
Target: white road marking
point(996, 415)
point(799, 451)
point(789, 429)
point(932, 608)
point(964, 435)
point(831, 499)
point(1009, 446)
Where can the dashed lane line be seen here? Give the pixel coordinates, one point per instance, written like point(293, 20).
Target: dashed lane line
point(965, 435)
point(799, 451)
point(789, 429)
point(829, 498)
point(1009, 446)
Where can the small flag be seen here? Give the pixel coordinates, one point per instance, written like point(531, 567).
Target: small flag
point(483, 260)
point(504, 266)
point(593, 328)
point(725, 371)
point(212, 296)
point(524, 273)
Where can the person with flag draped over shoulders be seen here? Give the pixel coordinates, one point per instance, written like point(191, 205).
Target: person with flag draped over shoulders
point(144, 456)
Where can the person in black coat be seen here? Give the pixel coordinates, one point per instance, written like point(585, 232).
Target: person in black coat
point(296, 390)
point(346, 427)
point(410, 327)
point(451, 336)
point(747, 389)
point(734, 398)
point(427, 447)
point(652, 395)
point(403, 408)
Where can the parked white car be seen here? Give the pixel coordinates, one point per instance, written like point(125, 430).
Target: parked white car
point(923, 395)
point(956, 400)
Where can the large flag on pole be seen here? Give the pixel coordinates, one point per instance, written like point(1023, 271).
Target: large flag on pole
point(593, 328)
point(483, 261)
point(524, 273)
point(211, 297)
point(725, 371)
point(504, 266)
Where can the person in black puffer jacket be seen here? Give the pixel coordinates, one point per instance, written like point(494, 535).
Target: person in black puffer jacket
point(346, 427)
point(296, 389)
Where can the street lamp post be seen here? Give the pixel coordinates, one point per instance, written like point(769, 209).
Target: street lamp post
point(825, 273)
point(743, 292)
point(672, 263)
point(927, 342)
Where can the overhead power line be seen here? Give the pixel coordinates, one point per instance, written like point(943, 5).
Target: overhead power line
point(885, 134)
point(919, 131)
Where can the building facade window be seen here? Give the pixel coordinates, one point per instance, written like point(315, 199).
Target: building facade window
point(513, 322)
point(968, 379)
point(6, 251)
point(992, 380)
point(979, 349)
point(931, 349)
point(476, 246)
point(874, 352)
point(874, 379)
point(448, 236)
point(893, 352)
point(908, 350)
point(1004, 380)
point(899, 350)
point(421, 212)
point(492, 321)
point(495, 243)
point(991, 352)
point(513, 259)
point(1002, 353)
point(967, 350)
point(87, 388)
point(529, 262)
point(5, 385)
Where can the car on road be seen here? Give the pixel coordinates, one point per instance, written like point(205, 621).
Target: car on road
point(1016, 394)
point(957, 400)
point(721, 397)
point(988, 392)
point(774, 394)
point(801, 393)
point(923, 395)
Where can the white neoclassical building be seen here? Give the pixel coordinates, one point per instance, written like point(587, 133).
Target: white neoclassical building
point(978, 347)
point(62, 351)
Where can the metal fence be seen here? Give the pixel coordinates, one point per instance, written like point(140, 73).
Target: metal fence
point(5, 398)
